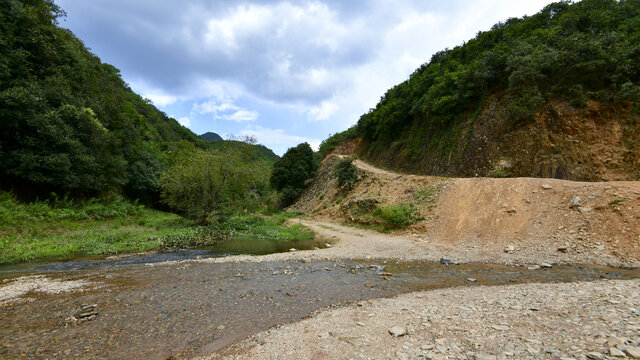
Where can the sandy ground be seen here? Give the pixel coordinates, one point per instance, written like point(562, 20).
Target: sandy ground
point(587, 320)
point(14, 290)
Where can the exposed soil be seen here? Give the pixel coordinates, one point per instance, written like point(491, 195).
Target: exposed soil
point(515, 220)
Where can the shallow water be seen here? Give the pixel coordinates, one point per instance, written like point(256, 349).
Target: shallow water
point(179, 309)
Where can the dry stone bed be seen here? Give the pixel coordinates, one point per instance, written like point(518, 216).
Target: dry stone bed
point(585, 320)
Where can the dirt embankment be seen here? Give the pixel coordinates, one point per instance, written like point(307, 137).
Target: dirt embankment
point(598, 143)
point(513, 220)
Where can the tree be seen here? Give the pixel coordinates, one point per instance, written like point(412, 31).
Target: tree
point(205, 181)
point(290, 172)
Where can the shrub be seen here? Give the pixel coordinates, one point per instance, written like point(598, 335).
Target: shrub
point(346, 172)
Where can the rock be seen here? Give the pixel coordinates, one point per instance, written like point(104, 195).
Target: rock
point(484, 357)
point(546, 186)
point(546, 265)
point(615, 352)
point(327, 245)
point(221, 327)
point(509, 249)
point(402, 356)
point(633, 352)
point(471, 280)
point(500, 327)
point(563, 248)
point(575, 202)
point(305, 260)
point(323, 335)
point(293, 249)
point(445, 261)
point(595, 356)
point(398, 331)
point(534, 267)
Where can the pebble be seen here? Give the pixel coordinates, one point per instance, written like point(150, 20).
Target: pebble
point(509, 249)
point(471, 280)
point(615, 352)
point(293, 249)
point(500, 327)
point(534, 267)
point(575, 202)
point(546, 265)
point(633, 352)
point(595, 356)
point(221, 327)
point(445, 261)
point(546, 186)
point(485, 357)
point(398, 331)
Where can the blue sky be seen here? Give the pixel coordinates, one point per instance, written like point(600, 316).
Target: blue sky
point(285, 72)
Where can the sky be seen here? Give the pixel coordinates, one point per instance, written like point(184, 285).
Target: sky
point(285, 72)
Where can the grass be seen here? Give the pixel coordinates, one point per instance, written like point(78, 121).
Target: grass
point(384, 218)
point(63, 229)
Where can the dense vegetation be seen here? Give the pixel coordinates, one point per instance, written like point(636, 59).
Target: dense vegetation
point(571, 52)
point(210, 136)
point(61, 228)
point(291, 172)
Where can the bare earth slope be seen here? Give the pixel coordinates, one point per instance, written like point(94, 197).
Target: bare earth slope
point(515, 220)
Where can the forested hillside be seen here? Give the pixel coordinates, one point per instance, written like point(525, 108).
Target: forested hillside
point(555, 94)
point(68, 122)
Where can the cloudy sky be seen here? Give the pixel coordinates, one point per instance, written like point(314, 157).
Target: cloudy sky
point(283, 71)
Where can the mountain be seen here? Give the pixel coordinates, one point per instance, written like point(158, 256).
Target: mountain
point(556, 94)
point(68, 122)
point(210, 136)
point(261, 152)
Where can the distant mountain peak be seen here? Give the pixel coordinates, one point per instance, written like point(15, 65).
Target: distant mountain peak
point(210, 136)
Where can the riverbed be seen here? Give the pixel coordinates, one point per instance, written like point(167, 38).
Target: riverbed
point(187, 309)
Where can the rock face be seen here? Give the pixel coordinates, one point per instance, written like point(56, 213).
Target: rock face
point(544, 147)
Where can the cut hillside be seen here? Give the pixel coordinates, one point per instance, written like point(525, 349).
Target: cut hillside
point(556, 94)
point(516, 220)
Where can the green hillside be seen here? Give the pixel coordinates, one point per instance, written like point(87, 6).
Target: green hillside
point(537, 77)
point(68, 122)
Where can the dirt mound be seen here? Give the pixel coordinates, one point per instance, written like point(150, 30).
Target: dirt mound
point(488, 219)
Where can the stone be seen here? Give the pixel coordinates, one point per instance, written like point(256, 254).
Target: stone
point(293, 249)
point(500, 327)
point(534, 267)
point(398, 331)
point(221, 327)
point(633, 352)
point(563, 249)
point(595, 356)
point(509, 249)
point(575, 202)
point(616, 353)
point(546, 265)
point(305, 260)
point(481, 356)
point(323, 335)
point(445, 261)
point(471, 280)
point(546, 186)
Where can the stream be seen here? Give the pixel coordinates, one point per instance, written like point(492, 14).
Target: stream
point(182, 310)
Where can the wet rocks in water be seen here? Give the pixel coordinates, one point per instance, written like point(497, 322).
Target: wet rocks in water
point(398, 331)
point(445, 261)
point(86, 313)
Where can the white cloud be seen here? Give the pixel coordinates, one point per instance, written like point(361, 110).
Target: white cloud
point(241, 116)
point(184, 121)
point(324, 111)
point(278, 139)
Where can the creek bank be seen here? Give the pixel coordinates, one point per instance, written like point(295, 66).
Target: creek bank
point(582, 320)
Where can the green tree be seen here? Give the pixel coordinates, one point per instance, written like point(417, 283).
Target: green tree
point(204, 182)
point(289, 173)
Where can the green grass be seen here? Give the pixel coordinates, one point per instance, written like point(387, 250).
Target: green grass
point(63, 229)
point(384, 218)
